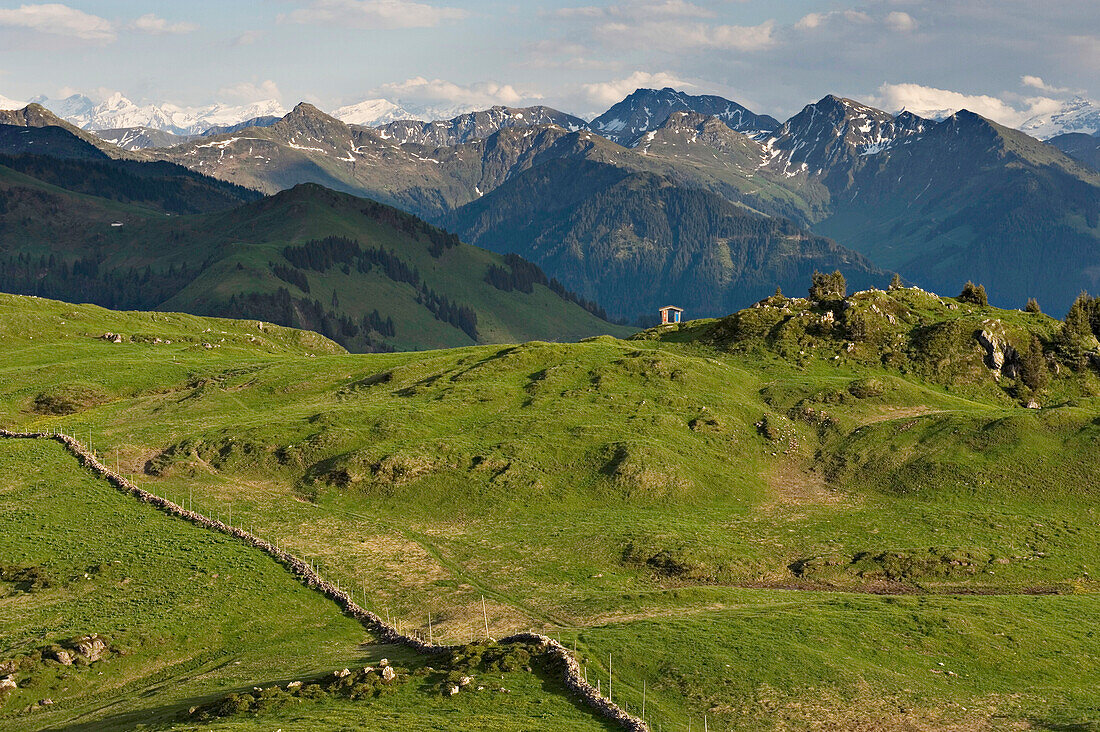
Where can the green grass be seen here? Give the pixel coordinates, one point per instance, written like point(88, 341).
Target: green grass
point(666, 500)
point(191, 612)
point(789, 660)
point(191, 615)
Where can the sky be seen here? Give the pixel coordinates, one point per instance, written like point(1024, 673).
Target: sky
point(1006, 59)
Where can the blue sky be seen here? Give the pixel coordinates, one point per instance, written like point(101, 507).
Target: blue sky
point(999, 57)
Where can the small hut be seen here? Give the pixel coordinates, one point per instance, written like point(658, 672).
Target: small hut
point(670, 314)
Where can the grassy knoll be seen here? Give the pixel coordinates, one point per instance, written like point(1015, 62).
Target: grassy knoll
point(680, 500)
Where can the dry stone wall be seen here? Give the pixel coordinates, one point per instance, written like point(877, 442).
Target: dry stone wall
point(573, 676)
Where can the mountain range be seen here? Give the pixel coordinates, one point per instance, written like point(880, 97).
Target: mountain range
point(700, 201)
point(1076, 115)
point(117, 112)
point(641, 111)
point(912, 195)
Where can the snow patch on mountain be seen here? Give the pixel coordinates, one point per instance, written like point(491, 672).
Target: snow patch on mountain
point(1076, 115)
point(829, 134)
point(371, 113)
point(118, 112)
point(647, 109)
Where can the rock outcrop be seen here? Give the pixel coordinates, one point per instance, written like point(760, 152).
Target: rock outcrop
point(92, 647)
point(1000, 356)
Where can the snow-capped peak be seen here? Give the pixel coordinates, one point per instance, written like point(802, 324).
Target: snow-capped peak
point(645, 110)
point(371, 113)
point(832, 132)
point(117, 112)
point(6, 103)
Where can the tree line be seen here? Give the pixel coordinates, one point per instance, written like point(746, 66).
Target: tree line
point(521, 275)
point(320, 255)
point(282, 308)
point(87, 280)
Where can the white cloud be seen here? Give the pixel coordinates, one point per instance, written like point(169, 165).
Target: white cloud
point(375, 14)
point(638, 10)
point(248, 91)
point(902, 22)
point(678, 36)
point(1036, 82)
point(422, 92)
point(666, 25)
point(247, 38)
point(895, 20)
point(928, 101)
point(810, 21)
point(607, 93)
point(60, 20)
point(155, 25)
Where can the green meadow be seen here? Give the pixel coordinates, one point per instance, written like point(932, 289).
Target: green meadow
point(761, 520)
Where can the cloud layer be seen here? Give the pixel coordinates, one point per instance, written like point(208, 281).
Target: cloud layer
point(607, 93)
point(151, 23)
point(61, 20)
point(1011, 109)
point(420, 92)
point(375, 14)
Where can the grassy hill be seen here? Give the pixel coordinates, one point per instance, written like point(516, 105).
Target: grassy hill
point(186, 617)
point(805, 511)
point(369, 276)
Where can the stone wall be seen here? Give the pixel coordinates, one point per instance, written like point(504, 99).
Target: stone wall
point(573, 676)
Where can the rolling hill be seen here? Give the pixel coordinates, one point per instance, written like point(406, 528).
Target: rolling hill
point(789, 515)
point(118, 616)
point(364, 274)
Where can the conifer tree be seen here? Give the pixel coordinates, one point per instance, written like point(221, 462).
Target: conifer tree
point(825, 288)
point(895, 282)
point(974, 294)
point(1033, 371)
point(1032, 306)
point(1075, 338)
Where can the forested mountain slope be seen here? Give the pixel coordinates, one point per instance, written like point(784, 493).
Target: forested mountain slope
point(369, 276)
point(636, 239)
